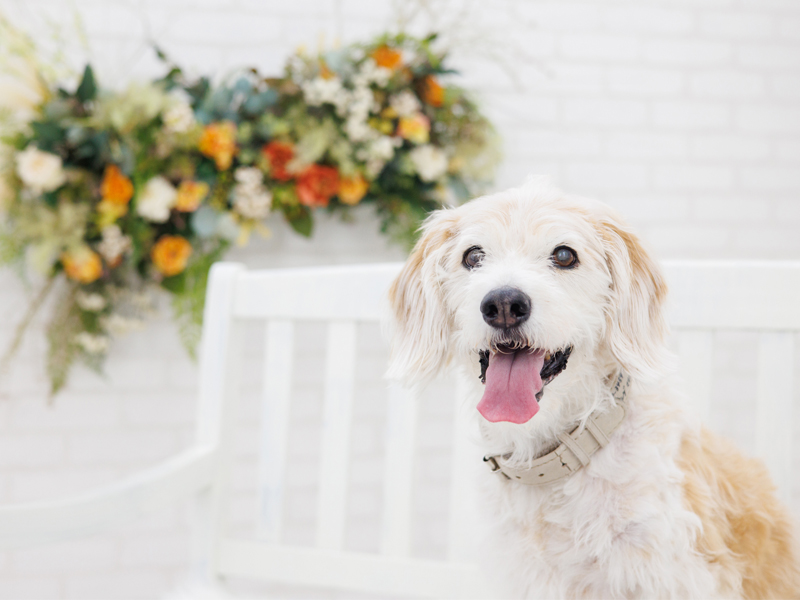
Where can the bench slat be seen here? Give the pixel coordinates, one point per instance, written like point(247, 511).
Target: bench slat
point(696, 355)
point(277, 389)
point(371, 574)
point(774, 421)
point(401, 425)
point(337, 421)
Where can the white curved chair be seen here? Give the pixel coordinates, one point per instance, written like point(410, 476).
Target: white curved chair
point(706, 297)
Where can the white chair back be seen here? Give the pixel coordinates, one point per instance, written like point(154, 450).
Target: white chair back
point(705, 298)
point(342, 297)
point(754, 296)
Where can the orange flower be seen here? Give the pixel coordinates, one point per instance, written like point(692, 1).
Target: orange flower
point(387, 57)
point(190, 195)
point(82, 265)
point(170, 254)
point(279, 154)
point(432, 92)
point(219, 142)
point(415, 128)
point(317, 184)
point(353, 189)
point(115, 187)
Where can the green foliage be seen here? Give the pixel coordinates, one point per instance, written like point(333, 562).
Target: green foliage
point(87, 90)
point(373, 123)
point(189, 297)
point(64, 327)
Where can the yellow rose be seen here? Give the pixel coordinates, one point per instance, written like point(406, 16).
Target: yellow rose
point(190, 195)
point(415, 128)
point(352, 189)
point(116, 188)
point(171, 254)
point(219, 142)
point(82, 264)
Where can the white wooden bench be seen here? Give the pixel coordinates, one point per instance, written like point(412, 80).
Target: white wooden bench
point(705, 297)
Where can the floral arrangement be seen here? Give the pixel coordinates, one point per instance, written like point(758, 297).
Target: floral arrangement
point(122, 191)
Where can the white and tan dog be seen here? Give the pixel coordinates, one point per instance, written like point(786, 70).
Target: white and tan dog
point(531, 288)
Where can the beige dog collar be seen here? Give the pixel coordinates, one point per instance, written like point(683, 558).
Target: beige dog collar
point(576, 448)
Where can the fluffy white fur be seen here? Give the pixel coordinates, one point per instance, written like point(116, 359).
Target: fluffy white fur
point(625, 526)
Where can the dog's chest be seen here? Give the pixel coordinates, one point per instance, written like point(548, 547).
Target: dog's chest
point(618, 528)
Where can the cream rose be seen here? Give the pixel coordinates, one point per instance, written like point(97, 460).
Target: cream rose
point(156, 200)
point(40, 171)
point(250, 198)
point(429, 161)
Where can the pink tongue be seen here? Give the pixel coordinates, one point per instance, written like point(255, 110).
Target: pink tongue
point(512, 382)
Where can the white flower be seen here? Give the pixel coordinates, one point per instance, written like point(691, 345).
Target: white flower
point(251, 177)
point(90, 302)
point(320, 91)
point(40, 171)
point(156, 200)
point(250, 198)
point(370, 72)
point(374, 167)
point(405, 103)
point(114, 244)
point(380, 149)
point(252, 206)
point(358, 130)
point(93, 344)
point(119, 325)
point(429, 161)
point(179, 118)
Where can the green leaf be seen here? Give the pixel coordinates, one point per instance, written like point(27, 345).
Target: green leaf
point(61, 332)
point(189, 300)
point(12, 249)
point(87, 90)
point(47, 134)
point(302, 222)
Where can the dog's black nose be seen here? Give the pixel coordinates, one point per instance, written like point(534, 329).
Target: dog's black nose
point(506, 307)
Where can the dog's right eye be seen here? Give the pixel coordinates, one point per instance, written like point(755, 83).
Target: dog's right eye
point(473, 257)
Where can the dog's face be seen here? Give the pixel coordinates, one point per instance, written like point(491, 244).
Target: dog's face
point(533, 288)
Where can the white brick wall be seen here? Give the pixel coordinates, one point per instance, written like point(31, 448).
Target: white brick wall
point(682, 113)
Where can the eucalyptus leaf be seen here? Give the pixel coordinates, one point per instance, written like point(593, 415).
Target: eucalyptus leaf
point(303, 223)
point(87, 90)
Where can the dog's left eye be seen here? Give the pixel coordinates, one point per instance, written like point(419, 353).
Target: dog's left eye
point(564, 257)
point(473, 257)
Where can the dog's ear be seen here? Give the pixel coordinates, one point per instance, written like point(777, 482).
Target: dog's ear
point(419, 326)
point(636, 327)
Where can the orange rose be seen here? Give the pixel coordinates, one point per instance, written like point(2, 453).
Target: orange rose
point(317, 184)
point(432, 92)
point(353, 189)
point(190, 195)
point(115, 187)
point(170, 254)
point(82, 265)
point(219, 142)
point(279, 154)
point(387, 57)
point(415, 128)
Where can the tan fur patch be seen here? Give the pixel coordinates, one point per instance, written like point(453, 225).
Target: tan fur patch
point(408, 280)
point(747, 533)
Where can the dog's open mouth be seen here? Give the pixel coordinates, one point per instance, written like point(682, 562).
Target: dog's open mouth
point(515, 380)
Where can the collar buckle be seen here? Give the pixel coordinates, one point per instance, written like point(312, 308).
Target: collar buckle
point(493, 465)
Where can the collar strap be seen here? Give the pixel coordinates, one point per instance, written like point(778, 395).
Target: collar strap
point(576, 448)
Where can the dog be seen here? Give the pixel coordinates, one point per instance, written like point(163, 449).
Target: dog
point(604, 486)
